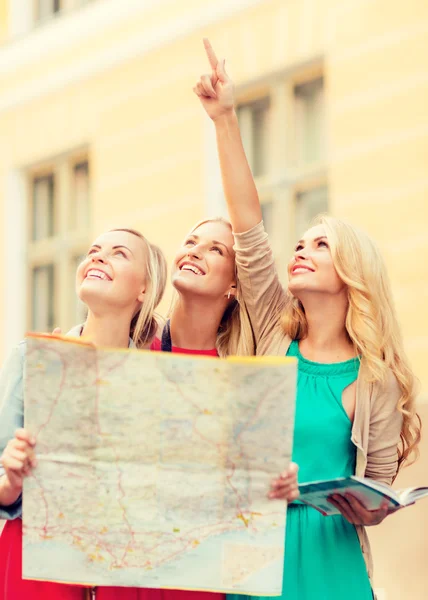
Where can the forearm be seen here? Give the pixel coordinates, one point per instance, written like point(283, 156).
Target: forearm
point(238, 183)
point(8, 494)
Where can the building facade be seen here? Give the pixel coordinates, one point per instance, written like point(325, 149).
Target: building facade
point(99, 128)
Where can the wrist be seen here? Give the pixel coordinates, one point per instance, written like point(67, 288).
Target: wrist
point(9, 492)
point(226, 118)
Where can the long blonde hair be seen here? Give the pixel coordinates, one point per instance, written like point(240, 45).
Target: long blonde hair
point(235, 334)
point(371, 320)
point(145, 322)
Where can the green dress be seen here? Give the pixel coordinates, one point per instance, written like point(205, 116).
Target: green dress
point(323, 558)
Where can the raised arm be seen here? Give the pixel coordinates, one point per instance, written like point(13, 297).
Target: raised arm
point(216, 94)
point(261, 289)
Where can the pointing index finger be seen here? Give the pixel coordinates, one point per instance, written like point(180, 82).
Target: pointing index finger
point(210, 54)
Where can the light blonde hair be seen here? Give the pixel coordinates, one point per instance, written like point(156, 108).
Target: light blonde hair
point(371, 320)
point(235, 334)
point(145, 322)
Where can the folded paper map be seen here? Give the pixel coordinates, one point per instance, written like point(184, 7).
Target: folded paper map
point(154, 468)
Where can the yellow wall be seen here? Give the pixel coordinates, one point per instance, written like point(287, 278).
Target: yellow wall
point(378, 81)
point(3, 20)
point(145, 133)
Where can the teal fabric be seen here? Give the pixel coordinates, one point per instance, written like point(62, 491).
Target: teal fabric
point(323, 557)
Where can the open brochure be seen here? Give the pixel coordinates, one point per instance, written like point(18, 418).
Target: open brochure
point(369, 492)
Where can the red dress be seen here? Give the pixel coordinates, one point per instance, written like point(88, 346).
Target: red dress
point(157, 345)
point(13, 587)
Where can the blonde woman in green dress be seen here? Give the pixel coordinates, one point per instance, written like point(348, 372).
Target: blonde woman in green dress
point(355, 409)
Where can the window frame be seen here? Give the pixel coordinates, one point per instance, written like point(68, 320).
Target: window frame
point(285, 177)
point(65, 245)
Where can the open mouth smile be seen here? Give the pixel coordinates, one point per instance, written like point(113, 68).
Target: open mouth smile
point(188, 266)
point(97, 274)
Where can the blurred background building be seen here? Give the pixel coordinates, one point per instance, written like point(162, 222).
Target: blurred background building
point(99, 128)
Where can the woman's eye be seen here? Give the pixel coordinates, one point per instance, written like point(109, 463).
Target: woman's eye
point(91, 251)
point(217, 249)
point(189, 243)
point(298, 247)
point(323, 243)
point(120, 253)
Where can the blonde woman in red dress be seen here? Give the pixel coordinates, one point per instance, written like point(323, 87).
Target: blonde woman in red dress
point(121, 281)
point(207, 319)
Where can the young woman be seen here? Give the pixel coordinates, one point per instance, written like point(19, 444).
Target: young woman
point(355, 396)
point(121, 281)
point(207, 316)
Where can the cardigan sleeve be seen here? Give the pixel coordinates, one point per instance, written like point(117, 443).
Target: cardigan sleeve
point(262, 291)
point(384, 432)
point(11, 412)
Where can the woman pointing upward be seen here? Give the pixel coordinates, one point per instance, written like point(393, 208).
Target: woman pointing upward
point(355, 409)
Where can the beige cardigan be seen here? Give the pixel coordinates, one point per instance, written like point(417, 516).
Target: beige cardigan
point(377, 422)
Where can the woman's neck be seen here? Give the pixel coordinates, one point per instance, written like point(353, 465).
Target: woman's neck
point(194, 324)
point(327, 339)
point(107, 330)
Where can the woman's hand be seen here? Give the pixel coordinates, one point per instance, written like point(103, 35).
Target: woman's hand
point(18, 459)
point(215, 90)
point(286, 487)
point(356, 513)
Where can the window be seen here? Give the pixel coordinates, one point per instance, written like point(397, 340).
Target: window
point(43, 207)
point(260, 134)
point(59, 233)
point(309, 204)
point(283, 131)
point(79, 309)
point(309, 111)
point(43, 298)
point(46, 9)
point(254, 122)
point(80, 206)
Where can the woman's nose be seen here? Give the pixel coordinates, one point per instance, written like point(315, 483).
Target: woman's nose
point(195, 251)
point(301, 254)
point(98, 257)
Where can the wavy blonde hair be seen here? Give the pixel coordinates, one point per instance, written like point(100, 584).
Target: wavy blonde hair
point(235, 334)
point(146, 321)
point(371, 320)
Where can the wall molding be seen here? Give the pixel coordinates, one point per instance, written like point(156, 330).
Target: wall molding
point(77, 27)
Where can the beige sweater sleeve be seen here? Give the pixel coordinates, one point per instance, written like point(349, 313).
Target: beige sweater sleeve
point(384, 431)
point(263, 293)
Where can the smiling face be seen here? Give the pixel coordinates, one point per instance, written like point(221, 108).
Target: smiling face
point(205, 264)
point(113, 274)
point(312, 269)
